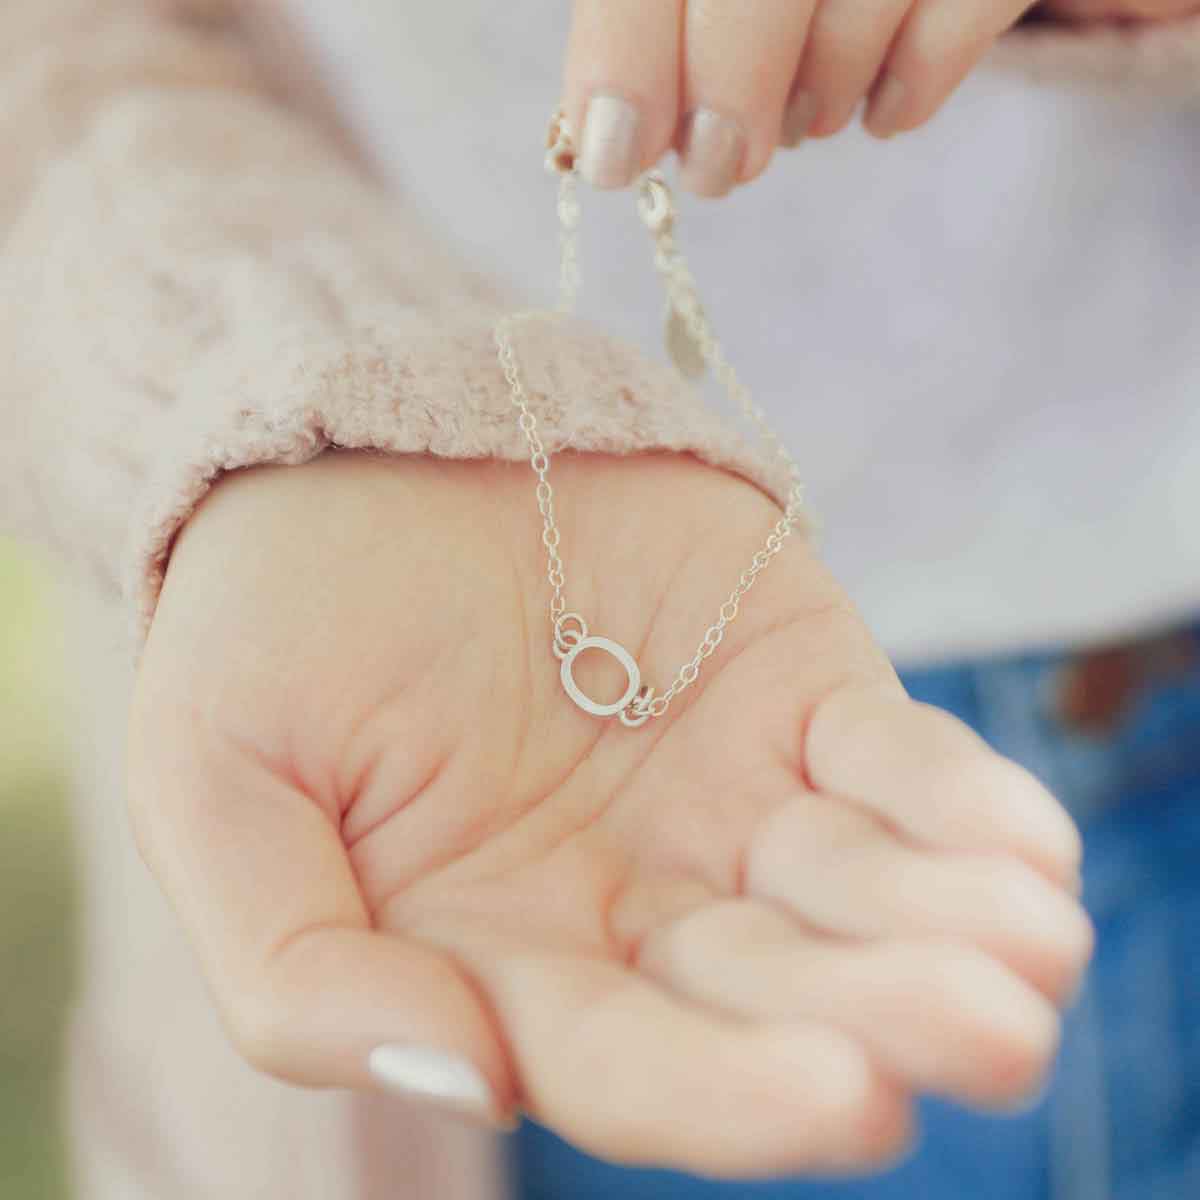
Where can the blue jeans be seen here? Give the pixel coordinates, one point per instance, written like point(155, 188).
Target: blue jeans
point(1121, 1118)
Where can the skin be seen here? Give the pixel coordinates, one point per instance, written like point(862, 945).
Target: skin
point(746, 58)
point(735, 941)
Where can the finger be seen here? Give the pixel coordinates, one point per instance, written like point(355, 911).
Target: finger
point(846, 45)
point(940, 1017)
point(938, 43)
point(628, 1072)
point(308, 991)
point(621, 85)
point(843, 873)
point(937, 781)
point(739, 62)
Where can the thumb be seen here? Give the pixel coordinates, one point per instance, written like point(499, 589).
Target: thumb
point(308, 990)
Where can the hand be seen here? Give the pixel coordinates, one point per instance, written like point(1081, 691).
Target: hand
point(735, 940)
point(761, 71)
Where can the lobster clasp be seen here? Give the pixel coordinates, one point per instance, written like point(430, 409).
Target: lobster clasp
point(655, 204)
point(560, 147)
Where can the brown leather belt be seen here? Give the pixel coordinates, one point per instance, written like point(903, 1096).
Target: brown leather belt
point(1097, 687)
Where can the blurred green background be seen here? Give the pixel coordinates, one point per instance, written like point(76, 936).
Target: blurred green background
point(36, 895)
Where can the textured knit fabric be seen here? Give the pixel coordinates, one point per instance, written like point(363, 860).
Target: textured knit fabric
point(195, 276)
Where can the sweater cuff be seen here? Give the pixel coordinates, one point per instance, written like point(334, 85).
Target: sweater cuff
point(442, 392)
point(1158, 59)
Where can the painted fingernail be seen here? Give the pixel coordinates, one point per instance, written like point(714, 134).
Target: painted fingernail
point(711, 155)
point(608, 154)
point(422, 1073)
point(798, 119)
point(883, 114)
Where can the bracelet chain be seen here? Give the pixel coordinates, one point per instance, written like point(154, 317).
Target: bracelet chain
point(656, 208)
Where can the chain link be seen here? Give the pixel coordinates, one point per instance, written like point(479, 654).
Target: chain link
point(657, 211)
point(539, 460)
point(568, 241)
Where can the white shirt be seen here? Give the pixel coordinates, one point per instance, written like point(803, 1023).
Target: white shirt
point(979, 340)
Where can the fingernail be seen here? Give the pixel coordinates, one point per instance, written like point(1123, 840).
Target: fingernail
point(798, 119)
point(608, 154)
point(422, 1073)
point(713, 145)
point(884, 110)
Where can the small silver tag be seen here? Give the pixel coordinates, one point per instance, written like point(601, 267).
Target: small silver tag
point(681, 346)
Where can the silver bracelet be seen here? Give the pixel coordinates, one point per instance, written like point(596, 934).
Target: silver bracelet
point(693, 348)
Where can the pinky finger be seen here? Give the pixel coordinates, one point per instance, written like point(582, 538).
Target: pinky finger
point(937, 45)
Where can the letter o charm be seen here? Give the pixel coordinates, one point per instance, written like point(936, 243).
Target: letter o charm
point(621, 655)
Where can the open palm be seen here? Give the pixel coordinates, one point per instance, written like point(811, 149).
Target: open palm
point(734, 940)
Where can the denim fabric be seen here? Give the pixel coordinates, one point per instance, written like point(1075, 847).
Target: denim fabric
point(1121, 1118)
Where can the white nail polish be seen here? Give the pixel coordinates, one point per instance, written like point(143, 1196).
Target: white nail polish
point(608, 156)
point(422, 1073)
point(713, 145)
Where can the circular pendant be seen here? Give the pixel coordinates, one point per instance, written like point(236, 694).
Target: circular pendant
point(621, 655)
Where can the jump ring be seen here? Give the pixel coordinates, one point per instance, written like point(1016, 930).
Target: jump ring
point(638, 711)
point(565, 638)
